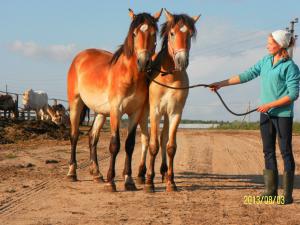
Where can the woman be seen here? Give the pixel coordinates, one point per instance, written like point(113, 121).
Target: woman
point(279, 89)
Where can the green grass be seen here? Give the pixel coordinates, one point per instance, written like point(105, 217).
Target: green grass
point(296, 127)
point(237, 125)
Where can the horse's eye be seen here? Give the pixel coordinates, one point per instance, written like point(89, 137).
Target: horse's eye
point(172, 34)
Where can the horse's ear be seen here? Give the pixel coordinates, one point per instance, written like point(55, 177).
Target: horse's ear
point(196, 18)
point(169, 16)
point(131, 14)
point(157, 15)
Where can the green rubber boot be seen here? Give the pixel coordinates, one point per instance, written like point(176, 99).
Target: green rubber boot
point(288, 183)
point(271, 183)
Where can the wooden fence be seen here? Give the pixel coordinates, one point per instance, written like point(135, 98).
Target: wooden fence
point(29, 115)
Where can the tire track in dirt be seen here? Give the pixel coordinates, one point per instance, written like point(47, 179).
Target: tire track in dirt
point(16, 203)
point(235, 155)
point(195, 157)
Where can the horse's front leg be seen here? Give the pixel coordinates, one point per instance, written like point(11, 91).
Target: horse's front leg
point(171, 150)
point(145, 144)
point(129, 147)
point(153, 149)
point(114, 148)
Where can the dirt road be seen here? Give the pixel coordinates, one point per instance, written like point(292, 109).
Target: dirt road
point(215, 171)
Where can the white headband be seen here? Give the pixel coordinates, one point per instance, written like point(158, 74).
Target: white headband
point(282, 37)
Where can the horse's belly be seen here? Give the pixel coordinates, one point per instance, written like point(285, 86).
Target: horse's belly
point(96, 102)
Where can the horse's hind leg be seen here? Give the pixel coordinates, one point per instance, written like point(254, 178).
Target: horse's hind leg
point(163, 142)
point(93, 140)
point(129, 148)
point(76, 107)
point(145, 144)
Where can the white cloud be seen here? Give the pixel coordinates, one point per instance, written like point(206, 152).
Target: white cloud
point(51, 52)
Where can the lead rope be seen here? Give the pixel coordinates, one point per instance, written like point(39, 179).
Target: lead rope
point(194, 86)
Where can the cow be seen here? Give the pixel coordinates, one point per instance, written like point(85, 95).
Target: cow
point(37, 101)
point(7, 103)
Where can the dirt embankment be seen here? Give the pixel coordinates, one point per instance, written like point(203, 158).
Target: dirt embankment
point(12, 131)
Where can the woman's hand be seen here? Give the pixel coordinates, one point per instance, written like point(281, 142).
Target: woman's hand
point(215, 86)
point(264, 108)
point(231, 81)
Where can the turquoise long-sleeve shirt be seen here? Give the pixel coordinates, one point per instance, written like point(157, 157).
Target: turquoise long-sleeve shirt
point(276, 81)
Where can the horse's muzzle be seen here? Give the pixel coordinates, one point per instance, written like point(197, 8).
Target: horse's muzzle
point(181, 60)
point(143, 59)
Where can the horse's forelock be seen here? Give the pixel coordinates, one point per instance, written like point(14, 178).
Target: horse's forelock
point(127, 48)
point(138, 20)
point(178, 19)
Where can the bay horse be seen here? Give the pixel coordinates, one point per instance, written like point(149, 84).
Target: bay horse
point(173, 59)
point(112, 85)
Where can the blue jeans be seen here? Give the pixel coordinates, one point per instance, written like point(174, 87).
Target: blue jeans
point(270, 127)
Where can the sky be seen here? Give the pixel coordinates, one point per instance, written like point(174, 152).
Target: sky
point(39, 39)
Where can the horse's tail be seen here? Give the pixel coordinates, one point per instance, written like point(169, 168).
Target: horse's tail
point(83, 113)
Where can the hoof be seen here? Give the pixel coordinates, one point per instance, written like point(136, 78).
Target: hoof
point(130, 187)
point(171, 187)
point(72, 178)
point(110, 187)
point(140, 180)
point(149, 188)
point(98, 179)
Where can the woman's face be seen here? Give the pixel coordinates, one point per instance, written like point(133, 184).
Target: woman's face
point(272, 46)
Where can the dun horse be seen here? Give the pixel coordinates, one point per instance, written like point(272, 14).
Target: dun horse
point(112, 85)
point(169, 103)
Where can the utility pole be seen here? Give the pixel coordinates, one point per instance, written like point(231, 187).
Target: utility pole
point(249, 107)
point(6, 88)
point(291, 29)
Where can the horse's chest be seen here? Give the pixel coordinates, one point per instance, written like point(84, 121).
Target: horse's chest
point(133, 102)
point(172, 100)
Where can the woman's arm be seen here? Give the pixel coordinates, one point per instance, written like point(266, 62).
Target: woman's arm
point(231, 81)
point(286, 100)
point(244, 77)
